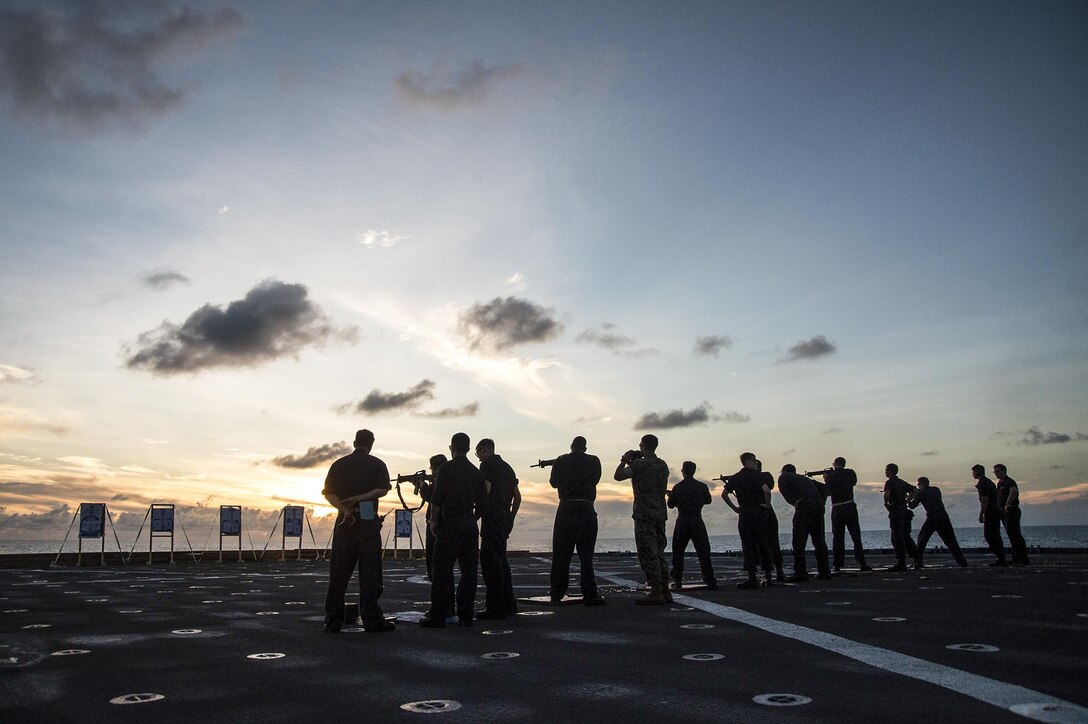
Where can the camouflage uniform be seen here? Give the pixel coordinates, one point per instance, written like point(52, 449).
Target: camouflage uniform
point(649, 481)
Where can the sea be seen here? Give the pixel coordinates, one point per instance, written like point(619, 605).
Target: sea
point(1037, 536)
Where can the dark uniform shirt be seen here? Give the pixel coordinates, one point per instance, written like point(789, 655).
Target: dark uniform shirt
point(987, 489)
point(897, 490)
point(459, 490)
point(800, 491)
point(747, 484)
point(649, 481)
point(503, 483)
point(840, 484)
point(1004, 488)
point(356, 474)
point(689, 496)
point(575, 475)
point(930, 500)
point(768, 480)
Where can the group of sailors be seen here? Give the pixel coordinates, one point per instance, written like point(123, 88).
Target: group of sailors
point(471, 512)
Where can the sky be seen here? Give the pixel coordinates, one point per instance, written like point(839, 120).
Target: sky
point(232, 234)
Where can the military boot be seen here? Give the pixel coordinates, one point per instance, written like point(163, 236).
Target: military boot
point(654, 598)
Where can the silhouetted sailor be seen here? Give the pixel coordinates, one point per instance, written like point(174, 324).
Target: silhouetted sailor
point(1008, 502)
point(353, 485)
point(503, 501)
point(807, 500)
point(575, 477)
point(840, 481)
point(688, 498)
point(752, 494)
point(989, 514)
point(937, 520)
point(649, 476)
point(771, 523)
point(426, 490)
point(896, 491)
point(457, 502)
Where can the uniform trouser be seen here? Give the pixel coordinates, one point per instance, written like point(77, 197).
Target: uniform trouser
point(429, 553)
point(691, 528)
point(943, 527)
point(357, 544)
point(1019, 546)
point(902, 543)
point(456, 541)
point(773, 544)
point(809, 523)
point(844, 517)
point(752, 527)
point(575, 528)
point(650, 544)
point(991, 531)
point(494, 567)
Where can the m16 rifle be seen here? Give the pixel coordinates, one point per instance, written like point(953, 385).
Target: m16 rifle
point(825, 471)
point(416, 479)
point(543, 463)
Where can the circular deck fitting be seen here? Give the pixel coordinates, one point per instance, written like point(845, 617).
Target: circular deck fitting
point(1005, 595)
point(38, 625)
point(497, 632)
point(889, 619)
point(1083, 615)
point(163, 591)
point(186, 631)
point(535, 613)
point(268, 613)
point(131, 610)
point(681, 608)
point(266, 656)
point(239, 594)
point(500, 655)
point(97, 600)
point(287, 585)
point(433, 706)
point(296, 603)
point(697, 626)
point(15, 610)
point(197, 586)
point(211, 601)
point(70, 652)
point(972, 647)
point(1062, 712)
point(136, 698)
point(781, 699)
point(930, 588)
point(838, 603)
point(704, 657)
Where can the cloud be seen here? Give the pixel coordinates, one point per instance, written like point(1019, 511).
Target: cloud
point(468, 87)
point(468, 410)
point(810, 349)
point(11, 373)
point(832, 431)
point(711, 346)
point(928, 454)
point(617, 343)
point(92, 66)
point(377, 401)
point(674, 418)
point(165, 279)
point(680, 418)
point(507, 322)
point(1035, 436)
point(791, 451)
point(314, 456)
point(515, 279)
point(372, 239)
point(274, 320)
point(17, 420)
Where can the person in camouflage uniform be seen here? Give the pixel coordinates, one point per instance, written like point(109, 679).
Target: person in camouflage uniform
point(649, 476)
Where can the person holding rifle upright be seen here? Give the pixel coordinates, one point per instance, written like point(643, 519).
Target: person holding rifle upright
point(575, 477)
point(802, 493)
point(896, 491)
point(989, 514)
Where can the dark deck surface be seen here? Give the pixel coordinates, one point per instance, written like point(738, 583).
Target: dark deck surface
point(230, 642)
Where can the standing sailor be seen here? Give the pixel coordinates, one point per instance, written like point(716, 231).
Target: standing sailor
point(747, 486)
point(688, 498)
point(937, 521)
point(989, 514)
point(649, 476)
point(575, 477)
point(803, 494)
point(503, 501)
point(896, 491)
point(840, 481)
point(1008, 502)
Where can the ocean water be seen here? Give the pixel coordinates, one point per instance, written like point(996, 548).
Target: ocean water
point(1042, 536)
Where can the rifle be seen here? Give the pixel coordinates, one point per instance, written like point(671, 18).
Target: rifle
point(544, 463)
point(825, 471)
